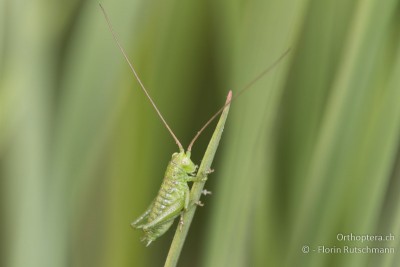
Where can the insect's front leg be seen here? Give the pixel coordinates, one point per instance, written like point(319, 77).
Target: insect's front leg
point(199, 178)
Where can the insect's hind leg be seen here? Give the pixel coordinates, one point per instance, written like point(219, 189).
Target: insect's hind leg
point(171, 213)
point(138, 223)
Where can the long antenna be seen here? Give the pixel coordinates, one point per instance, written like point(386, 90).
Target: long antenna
point(258, 77)
point(138, 79)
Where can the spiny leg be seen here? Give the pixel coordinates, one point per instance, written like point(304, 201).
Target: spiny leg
point(185, 207)
point(142, 217)
point(155, 232)
point(199, 178)
point(205, 192)
point(172, 212)
point(196, 179)
point(181, 223)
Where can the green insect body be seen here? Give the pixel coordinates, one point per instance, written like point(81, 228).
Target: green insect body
point(172, 199)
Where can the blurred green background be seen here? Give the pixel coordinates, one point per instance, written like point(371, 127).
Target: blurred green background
point(312, 150)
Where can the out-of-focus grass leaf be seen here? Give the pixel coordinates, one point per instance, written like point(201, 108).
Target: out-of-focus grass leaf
point(239, 227)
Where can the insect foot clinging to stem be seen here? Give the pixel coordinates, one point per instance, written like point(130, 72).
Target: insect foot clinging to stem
point(173, 198)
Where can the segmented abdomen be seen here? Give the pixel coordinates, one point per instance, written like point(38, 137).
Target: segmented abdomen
point(169, 193)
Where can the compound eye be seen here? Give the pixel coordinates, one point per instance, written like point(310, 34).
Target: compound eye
point(185, 161)
point(173, 155)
